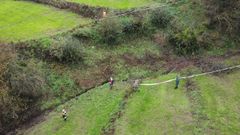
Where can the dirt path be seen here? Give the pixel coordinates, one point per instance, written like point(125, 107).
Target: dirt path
point(31, 123)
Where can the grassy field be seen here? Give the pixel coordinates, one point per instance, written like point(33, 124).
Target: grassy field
point(119, 4)
point(21, 20)
point(157, 110)
point(210, 107)
point(87, 115)
point(220, 103)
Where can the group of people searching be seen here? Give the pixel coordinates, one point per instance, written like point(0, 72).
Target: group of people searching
point(111, 83)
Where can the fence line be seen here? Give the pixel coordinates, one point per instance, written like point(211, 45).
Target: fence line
point(192, 76)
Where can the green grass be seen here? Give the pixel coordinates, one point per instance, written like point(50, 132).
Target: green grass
point(211, 108)
point(21, 20)
point(87, 115)
point(157, 110)
point(118, 4)
point(221, 100)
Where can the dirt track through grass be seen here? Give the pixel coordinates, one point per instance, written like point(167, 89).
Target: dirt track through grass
point(196, 102)
point(110, 128)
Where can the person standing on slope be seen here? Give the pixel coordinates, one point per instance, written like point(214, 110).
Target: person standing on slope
point(177, 81)
point(64, 114)
point(111, 82)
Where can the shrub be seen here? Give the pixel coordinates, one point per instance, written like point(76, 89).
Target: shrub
point(44, 43)
point(130, 26)
point(62, 86)
point(110, 31)
point(86, 34)
point(136, 26)
point(185, 42)
point(160, 18)
point(10, 107)
point(69, 51)
point(20, 96)
point(25, 80)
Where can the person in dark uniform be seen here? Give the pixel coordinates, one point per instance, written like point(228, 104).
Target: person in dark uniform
point(177, 81)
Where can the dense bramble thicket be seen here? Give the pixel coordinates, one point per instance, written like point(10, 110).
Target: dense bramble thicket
point(224, 15)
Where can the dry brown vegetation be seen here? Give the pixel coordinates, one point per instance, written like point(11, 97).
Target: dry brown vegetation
point(225, 14)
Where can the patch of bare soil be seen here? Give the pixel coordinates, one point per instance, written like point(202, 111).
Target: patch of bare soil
point(30, 123)
point(173, 63)
point(177, 63)
point(92, 77)
point(206, 64)
point(150, 61)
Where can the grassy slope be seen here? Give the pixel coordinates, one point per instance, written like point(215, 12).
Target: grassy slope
point(161, 109)
point(221, 100)
point(157, 110)
point(87, 115)
point(154, 109)
point(26, 20)
point(119, 4)
point(137, 48)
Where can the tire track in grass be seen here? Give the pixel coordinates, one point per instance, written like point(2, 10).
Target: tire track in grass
point(194, 95)
point(109, 129)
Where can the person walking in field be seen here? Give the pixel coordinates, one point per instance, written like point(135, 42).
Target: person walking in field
point(64, 114)
point(136, 84)
point(177, 81)
point(111, 82)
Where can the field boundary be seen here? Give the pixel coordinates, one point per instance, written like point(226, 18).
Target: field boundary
point(81, 9)
point(192, 76)
point(91, 23)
